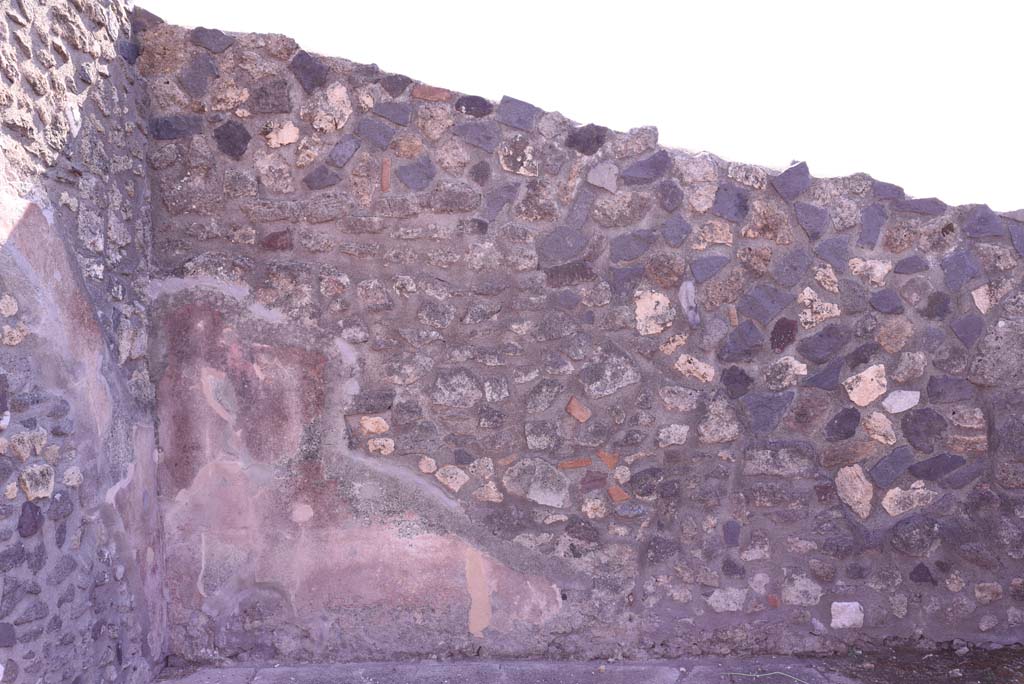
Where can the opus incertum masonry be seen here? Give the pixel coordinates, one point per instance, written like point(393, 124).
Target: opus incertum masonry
point(305, 361)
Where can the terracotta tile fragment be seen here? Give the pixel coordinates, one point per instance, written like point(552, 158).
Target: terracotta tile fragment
point(385, 175)
point(571, 463)
point(430, 93)
point(577, 410)
point(618, 494)
point(609, 459)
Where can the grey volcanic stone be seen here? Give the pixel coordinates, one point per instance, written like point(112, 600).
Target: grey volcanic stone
point(922, 427)
point(961, 477)
point(968, 328)
point(457, 388)
point(377, 133)
point(872, 219)
point(813, 219)
point(890, 467)
point(731, 533)
point(174, 126)
point(835, 251)
point(792, 182)
point(587, 140)
point(915, 534)
point(764, 302)
point(886, 191)
point(928, 206)
point(843, 425)
point(310, 72)
point(214, 40)
point(631, 245)
point(232, 139)
point(482, 134)
point(742, 343)
point(705, 268)
point(938, 306)
point(395, 84)
point(561, 246)
point(959, 268)
point(321, 177)
point(936, 467)
point(886, 301)
point(396, 112)
point(670, 195)
point(736, 382)
point(270, 96)
point(497, 199)
point(922, 575)
point(417, 175)
point(822, 346)
point(7, 636)
point(790, 268)
point(915, 263)
point(646, 170)
point(982, 222)
point(474, 105)
point(764, 410)
point(343, 151)
point(1017, 237)
point(517, 114)
point(731, 203)
point(196, 76)
point(675, 230)
point(30, 520)
point(828, 377)
point(945, 389)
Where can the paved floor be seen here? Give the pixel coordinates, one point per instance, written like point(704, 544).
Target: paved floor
point(1005, 667)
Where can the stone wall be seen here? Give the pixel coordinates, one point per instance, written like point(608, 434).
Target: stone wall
point(80, 541)
point(434, 376)
point(438, 376)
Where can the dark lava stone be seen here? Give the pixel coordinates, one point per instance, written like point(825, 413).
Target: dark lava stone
point(793, 181)
point(675, 230)
point(835, 251)
point(982, 222)
point(731, 533)
point(270, 96)
point(482, 134)
point(174, 126)
point(473, 105)
point(646, 170)
point(915, 263)
point(843, 425)
point(232, 139)
point(890, 467)
point(742, 343)
point(396, 112)
point(731, 203)
point(670, 195)
point(764, 302)
point(730, 568)
point(783, 334)
point(791, 267)
point(936, 467)
point(828, 377)
point(309, 71)
point(938, 306)
point(377, 133)
point(705, 268)
point(736, 382)
point(31, 519)
point(813, 219)
point(945, 389)
point(922, 427)
point(211, 39)
point(968, 328)
point(922, 575)
point(587, 140)
point(765, 409)
point(395, 84)
point(321, 177)
point(886, 191)
point(517, 114)
point(886, 301)
point(959, 268)
point(863, 354)
point(872, 218)
point(822, 346)
point(343, 151)
point(480, 173)
point(631, 245)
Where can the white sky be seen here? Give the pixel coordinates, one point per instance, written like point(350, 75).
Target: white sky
point(927, 95)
